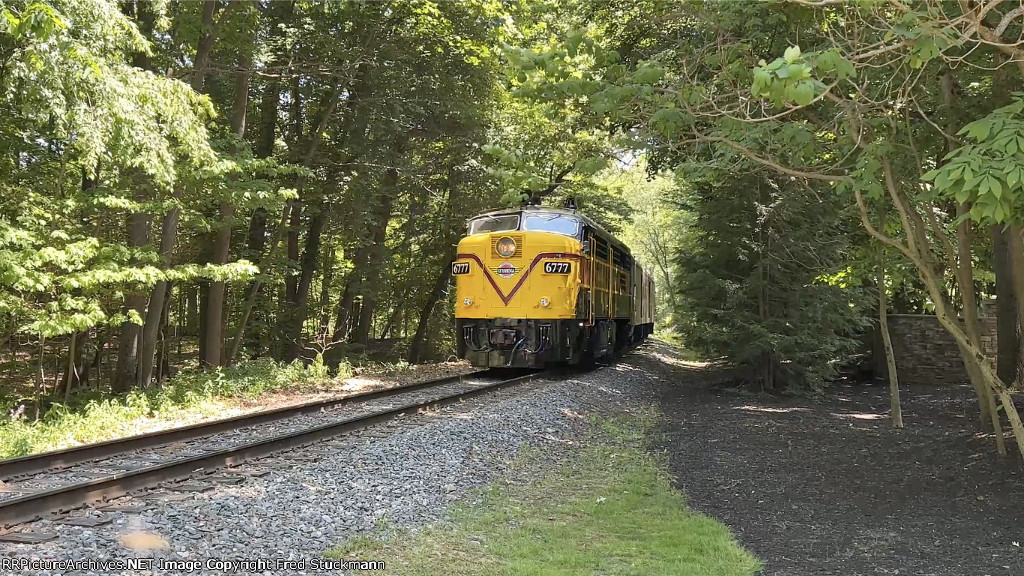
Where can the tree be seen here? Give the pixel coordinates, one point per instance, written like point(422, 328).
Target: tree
point(75, 104)
point(726, 83)
point(753, 282)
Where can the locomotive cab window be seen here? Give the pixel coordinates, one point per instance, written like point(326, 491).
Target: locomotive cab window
point(499, 223)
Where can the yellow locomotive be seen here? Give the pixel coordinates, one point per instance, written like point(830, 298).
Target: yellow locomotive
point(538, 286)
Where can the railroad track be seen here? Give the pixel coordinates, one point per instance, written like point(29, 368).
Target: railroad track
point(66, 479)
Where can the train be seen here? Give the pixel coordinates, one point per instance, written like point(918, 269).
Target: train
point(541, 286)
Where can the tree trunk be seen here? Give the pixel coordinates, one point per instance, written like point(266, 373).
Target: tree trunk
point(88, 367)
point(297, 289)
point(418, 347)
point(370, 290)
point(325, 295)
point(963, 267)
point(918, 250)
point(40, 376)
point(965, 280)
point(366, 310)
point(151, 327)
point(1015, 246)
point(353, 285)
point(291, 279)
point(895, 411)
point(254, 288)
point(190, 320)
point(169, 226)
point(212, 353)
point(213, 337)
point(297, 309)
point(1007, 339)
point(395, 319)
point(257, 237)
point(128, 344)
point(163, 365)
point(71, 375)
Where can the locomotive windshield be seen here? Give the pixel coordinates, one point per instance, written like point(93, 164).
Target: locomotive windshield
point(556, 223)
point(500, 223)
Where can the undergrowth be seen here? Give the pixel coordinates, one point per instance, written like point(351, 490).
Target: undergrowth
point(93, 416)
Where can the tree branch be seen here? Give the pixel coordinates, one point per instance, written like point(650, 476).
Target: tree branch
point(771, 163)
point(1008, 19)
point(866, 220)
point(555, 183)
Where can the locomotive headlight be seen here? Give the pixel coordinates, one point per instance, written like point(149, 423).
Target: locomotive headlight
point(467, 301)
point(506, 247)
point(544, 302)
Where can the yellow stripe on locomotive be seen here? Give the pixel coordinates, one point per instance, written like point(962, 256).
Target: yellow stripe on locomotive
point(538, 285)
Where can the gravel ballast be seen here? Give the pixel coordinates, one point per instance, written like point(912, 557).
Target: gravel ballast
point(297, 504)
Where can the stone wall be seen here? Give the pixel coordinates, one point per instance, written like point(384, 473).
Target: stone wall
point(926, 353)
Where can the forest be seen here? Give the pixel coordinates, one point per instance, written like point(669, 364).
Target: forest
point(197, 187)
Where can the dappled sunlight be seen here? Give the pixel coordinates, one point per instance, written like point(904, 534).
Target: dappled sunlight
point(690, 364)
point(621, 367)
point(771, 410)
point(860, 415)
point(143, 541)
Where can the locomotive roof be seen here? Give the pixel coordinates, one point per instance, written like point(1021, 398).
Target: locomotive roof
point(548, 210)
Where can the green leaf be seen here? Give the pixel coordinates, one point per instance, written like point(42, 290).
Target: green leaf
point(963, 195)
point(845, 68)
point(979, 130)
point(591, 166)
point(648, 74)
point(827, 61)
point(804, 93)
point(1012, 177)
point(998, 214)
point(995, 187)
point(667, 121)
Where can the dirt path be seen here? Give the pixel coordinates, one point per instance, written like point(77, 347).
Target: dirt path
point(829, 488)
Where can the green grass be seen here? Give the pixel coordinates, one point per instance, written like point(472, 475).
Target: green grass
point(93, 417)
point(611, 510)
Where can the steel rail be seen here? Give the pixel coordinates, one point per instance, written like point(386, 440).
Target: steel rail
point(68, 456)
point(32, 506)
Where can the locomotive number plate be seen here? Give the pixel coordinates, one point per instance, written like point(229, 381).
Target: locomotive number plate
point(460, 267)
point(557, 267)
